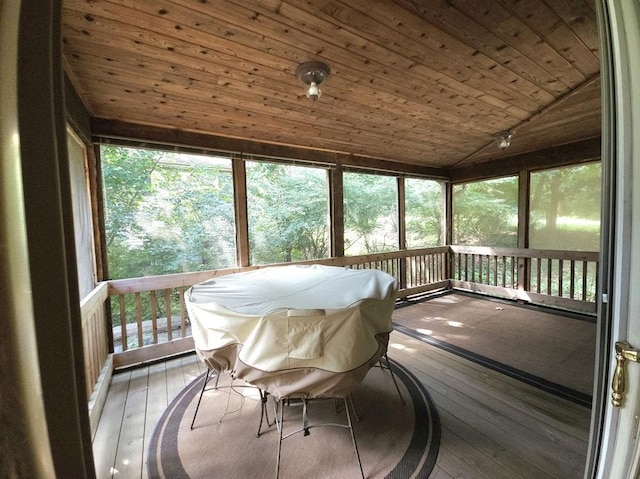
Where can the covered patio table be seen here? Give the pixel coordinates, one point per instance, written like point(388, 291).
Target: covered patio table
point(294, 331)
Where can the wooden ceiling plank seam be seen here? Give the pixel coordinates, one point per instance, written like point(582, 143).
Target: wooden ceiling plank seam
point(441, 58)
point(579, 15)
point(418, 93)
point(467, 31)
point(543, 20)
point(400, 61)
point(516, 33)
point(482, 121)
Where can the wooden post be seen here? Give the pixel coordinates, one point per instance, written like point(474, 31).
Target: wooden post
point(240, 205)
point(524, 264)
point(336, 209)
point(402, 233)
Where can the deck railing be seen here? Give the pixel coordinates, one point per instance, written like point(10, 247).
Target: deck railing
point(151, 321)
point(563, 279)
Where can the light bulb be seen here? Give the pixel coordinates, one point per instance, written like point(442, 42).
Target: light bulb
point(313, 93)
point(503, 140)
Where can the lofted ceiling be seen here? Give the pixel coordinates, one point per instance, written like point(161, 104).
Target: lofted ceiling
point(423, 82)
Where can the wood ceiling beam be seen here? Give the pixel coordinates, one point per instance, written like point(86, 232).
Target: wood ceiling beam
point(131, 133)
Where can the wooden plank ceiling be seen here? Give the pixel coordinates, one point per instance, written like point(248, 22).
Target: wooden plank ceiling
point(423, 82)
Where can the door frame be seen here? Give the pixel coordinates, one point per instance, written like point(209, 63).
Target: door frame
point(614, 449)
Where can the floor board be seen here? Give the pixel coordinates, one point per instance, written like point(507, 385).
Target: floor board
point(552, 347)
point(493, 426)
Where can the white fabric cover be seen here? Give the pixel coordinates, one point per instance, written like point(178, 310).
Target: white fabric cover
point(310, 331)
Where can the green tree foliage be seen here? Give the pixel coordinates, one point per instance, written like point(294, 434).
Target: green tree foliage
point(127, 181)
point(164, 215)
point(485, 213)
point(288, 213)
point(370, 213)
point(423, 213)
point(565, 208)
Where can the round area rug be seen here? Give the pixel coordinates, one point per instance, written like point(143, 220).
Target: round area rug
point(395, 440)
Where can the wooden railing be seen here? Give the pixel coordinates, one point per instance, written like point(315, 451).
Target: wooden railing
point(97, 360)
point(563, 279)
point(151, 314)
point(151, 319)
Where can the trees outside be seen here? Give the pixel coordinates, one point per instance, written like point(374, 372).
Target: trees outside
point(166, 212)
point(423, 213)
point(370, 213)
point(288, 212)
point(485, 213)
point(565, 208)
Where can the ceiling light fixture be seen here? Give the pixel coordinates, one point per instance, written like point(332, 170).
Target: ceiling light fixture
point(312, 74)
point(503, 139)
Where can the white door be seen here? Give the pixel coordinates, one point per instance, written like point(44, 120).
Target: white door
point(615, 453)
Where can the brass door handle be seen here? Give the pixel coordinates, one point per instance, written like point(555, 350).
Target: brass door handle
point(624, 353)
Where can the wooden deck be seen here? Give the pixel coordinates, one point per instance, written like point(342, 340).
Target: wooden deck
point(492, 426)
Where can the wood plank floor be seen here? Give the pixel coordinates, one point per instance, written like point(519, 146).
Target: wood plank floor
point(492, 426)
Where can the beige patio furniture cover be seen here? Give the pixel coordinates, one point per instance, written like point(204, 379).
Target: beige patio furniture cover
point(305, 331)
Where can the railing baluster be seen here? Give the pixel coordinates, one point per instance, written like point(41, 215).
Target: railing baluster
point(183, 314)
point(495, 271)
point(154, 316)
point(167, 307)
point(585, 273)
point(572, 279)
point(473, 268)
point(431, 267)
point(504, 271)
point(560, 277)
point(139, 318)
point(123, 323)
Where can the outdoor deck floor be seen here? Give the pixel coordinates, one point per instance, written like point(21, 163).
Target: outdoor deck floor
point(493, 426)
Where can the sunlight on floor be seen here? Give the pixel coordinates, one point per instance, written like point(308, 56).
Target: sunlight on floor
point(401, 347)
point(425, 331)
point(455, 324)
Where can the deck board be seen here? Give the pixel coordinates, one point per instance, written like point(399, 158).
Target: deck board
point(493, 426)
point(157, 401)
point(105, 442)
point(491, 406)
point(131, 444)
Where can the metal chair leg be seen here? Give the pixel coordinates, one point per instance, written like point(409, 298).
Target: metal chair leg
point(207, 378)
point(264, 414)
point(353, 437)
point(279, 412)
point(393, 376)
